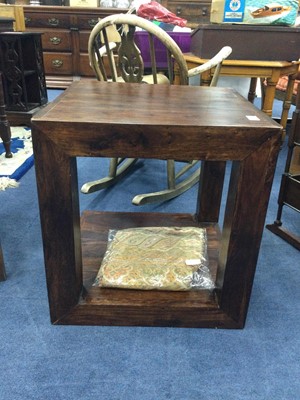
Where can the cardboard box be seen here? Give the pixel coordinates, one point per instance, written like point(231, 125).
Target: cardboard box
point(84, 3)
point(255, 12)
point(248, 42)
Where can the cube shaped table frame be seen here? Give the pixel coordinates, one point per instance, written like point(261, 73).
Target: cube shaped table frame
point(100, 119)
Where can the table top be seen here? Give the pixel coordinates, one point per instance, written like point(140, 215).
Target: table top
point(142, 119)
point(244, 63)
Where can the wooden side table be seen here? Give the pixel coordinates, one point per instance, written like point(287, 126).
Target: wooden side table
point(269, 70)
point(100, 119)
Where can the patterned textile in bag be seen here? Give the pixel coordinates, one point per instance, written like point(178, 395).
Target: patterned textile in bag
point(161, 258)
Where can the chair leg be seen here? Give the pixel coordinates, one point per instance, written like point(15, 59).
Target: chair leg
point(171, 174)
point(117, 169)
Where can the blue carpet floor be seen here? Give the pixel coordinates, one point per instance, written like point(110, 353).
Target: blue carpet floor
point(39, 361)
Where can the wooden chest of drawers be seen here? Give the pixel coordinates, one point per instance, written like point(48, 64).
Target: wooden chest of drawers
point(66, 32)
point(65, 37)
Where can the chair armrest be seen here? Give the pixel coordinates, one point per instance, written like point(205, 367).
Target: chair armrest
point(217, 59)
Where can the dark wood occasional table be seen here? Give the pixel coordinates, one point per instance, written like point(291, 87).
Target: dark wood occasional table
point(215, 125)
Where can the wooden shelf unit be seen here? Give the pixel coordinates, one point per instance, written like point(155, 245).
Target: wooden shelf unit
point(22, 67)
point(289, 193)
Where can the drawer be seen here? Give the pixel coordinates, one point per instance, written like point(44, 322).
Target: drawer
point(87, 22)
point(56, 40)
point(58, 63)
point(46, 20)
point(195, 13)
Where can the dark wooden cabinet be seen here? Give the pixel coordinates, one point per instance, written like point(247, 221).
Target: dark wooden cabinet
point(66, 32)
point(22, 67)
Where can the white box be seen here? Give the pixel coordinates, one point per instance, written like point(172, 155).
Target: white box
point(254, 12)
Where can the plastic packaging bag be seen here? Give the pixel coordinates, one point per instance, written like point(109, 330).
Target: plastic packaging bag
point(156, 12)
point(156, 258)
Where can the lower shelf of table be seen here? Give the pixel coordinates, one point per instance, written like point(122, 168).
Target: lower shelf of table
point(103, 306)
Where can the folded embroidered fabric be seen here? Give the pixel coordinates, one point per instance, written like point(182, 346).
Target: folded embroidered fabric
point(162, 258)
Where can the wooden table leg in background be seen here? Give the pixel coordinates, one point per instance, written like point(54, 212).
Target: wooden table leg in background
point(287, 101)
point(5, 132)
point(252, 89)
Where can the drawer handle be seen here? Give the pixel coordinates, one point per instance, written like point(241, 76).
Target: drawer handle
point(92, 22)
point(55, 40)
point(57, 63)
point(178, 10)
point(204, 11)
point(53, 21)
point(27, 20)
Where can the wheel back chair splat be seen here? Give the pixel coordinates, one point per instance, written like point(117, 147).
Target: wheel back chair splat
point(115, 57)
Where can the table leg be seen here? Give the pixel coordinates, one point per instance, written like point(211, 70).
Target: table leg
point(210, 191)
point(287, 101)
point(246, 208)
point(206, 78)
point(268, 98)
point(252, 90)
point(56, 175)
